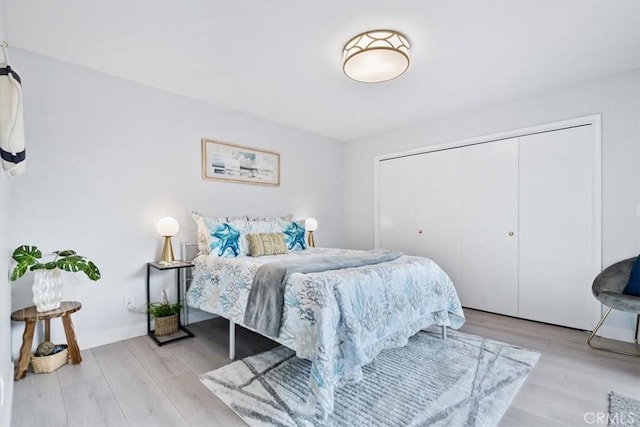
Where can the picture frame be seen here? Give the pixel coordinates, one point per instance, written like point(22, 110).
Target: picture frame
point(222, 161)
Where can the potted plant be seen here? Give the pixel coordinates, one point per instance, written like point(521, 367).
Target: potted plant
point(47, 282)
point(165, 315)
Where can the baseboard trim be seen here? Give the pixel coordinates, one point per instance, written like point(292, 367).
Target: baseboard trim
point(97, 339)
point(614, 333)
point(199, 316)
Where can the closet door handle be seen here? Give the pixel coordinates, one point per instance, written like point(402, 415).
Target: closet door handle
point(419, 231)
point(511, 233)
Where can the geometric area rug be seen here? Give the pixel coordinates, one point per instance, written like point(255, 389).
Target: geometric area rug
point(465, 380)
point(623, 411)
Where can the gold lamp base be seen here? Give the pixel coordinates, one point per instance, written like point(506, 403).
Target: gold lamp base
point(310, 242)
point(167, 250)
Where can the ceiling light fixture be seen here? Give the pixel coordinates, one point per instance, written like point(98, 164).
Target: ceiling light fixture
point(376, 56)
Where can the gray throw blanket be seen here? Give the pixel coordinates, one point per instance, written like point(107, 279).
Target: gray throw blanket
point(266, 297)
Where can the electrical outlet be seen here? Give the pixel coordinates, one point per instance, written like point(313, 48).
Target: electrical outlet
point(128, 302)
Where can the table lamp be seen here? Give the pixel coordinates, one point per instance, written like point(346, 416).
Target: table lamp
point(311, 225)
point(167, 227)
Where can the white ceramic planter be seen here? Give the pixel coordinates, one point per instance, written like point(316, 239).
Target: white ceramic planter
point(47, 289)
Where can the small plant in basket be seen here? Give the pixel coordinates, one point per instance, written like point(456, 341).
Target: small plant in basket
point(161, 309)
point(165, 315)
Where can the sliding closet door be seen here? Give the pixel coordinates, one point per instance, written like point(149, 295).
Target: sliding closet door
point(437, 228)
point(490, 227)
point(397, 204)
point(558, 255)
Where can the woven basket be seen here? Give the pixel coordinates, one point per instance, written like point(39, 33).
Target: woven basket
point(166, 325)
point(46, 364)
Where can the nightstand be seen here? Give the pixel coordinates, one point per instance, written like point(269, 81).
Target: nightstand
point(182, 331)
point(31, 316)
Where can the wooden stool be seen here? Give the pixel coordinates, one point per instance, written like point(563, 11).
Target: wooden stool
point(30, 316)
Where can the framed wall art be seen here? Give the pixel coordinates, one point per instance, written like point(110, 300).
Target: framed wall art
point(222, 161)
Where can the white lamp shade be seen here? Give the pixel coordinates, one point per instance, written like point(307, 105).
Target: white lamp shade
point(376, 56)
point(168, 226)
point(311, 224)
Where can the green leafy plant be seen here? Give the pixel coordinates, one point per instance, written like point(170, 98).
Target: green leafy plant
point(164, 309)
point(29, 258)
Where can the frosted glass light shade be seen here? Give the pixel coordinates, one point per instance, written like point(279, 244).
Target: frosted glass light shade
point(310, 224)
point(168, 226)
point(376, 56)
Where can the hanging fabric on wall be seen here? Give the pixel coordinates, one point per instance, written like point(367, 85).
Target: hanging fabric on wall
point(12, 143)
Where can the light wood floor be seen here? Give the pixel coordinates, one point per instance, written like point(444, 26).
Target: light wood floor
point(137, 383)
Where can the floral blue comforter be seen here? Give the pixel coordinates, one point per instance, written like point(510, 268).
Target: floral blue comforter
point(338, 319)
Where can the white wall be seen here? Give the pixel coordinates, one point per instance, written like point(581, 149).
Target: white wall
point(616, 97)
point(107, 158)
point(6, 365)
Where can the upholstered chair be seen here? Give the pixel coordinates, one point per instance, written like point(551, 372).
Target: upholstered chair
point(607, 288)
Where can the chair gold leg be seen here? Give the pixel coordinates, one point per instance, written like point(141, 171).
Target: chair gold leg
point(635, 337)
point(595, 330)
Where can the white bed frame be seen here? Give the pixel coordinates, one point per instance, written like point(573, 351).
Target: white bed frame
point(232, 338)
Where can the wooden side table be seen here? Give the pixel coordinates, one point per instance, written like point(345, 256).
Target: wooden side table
point(30, 316)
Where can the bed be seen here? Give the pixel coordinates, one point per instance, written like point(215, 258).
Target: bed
point(338, 319)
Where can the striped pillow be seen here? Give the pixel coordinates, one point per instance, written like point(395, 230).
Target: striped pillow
point(266, 244)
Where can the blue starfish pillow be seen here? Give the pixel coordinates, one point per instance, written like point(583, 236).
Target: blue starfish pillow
point(294, 236)
point(205, 226)
point(633, 287)
point(225, 241)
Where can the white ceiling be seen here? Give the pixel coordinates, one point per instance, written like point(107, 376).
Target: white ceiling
point(281, 60)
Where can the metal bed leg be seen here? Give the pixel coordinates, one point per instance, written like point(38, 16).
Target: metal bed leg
point(444, 332)
point(232, 340)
